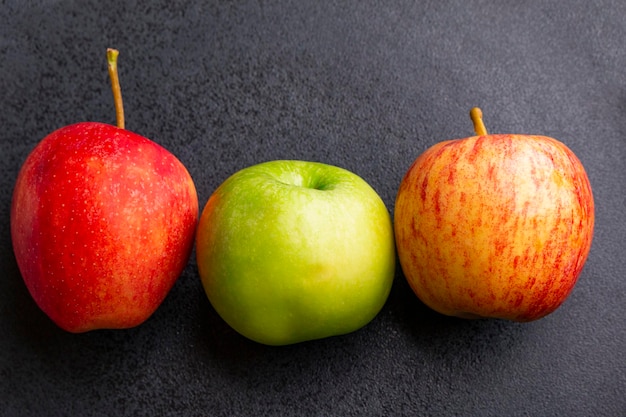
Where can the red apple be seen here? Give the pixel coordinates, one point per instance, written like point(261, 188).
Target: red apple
point(494, 225)
point(102, 223)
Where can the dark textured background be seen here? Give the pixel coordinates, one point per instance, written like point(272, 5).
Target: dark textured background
point(363, 85)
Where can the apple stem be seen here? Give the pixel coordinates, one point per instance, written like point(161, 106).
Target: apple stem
point(477, 117)
point(115, 86)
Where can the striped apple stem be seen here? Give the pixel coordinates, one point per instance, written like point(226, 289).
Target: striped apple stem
point(115, 86)
point(477, 117)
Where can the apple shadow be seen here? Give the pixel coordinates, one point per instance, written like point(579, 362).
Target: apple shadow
point(21, 315)
point(437, 334)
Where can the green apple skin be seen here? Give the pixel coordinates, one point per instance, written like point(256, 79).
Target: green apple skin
point(290, 251)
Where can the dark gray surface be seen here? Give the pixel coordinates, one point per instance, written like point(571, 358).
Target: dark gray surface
point(363, 85)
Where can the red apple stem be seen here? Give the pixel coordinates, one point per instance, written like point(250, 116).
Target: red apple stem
point(115, 86)
point(477, 117)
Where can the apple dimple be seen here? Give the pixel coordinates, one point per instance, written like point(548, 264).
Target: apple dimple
point(291, 174)
point(320, 184)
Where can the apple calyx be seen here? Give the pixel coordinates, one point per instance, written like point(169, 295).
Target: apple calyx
point(477, 118)
point(115, 86)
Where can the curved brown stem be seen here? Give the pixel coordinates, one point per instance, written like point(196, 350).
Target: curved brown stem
point(115, 86)
point(477, 117)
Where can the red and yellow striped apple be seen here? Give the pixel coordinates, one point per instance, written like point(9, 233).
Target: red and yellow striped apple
point(494, 225)
point(102, 224)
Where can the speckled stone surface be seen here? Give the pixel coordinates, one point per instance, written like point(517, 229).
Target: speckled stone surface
point(363, 85)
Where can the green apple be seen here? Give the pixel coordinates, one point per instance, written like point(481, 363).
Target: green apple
point(290, 251)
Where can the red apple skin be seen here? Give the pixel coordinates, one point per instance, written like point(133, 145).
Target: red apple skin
point(102, 223)
point(494, 226)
